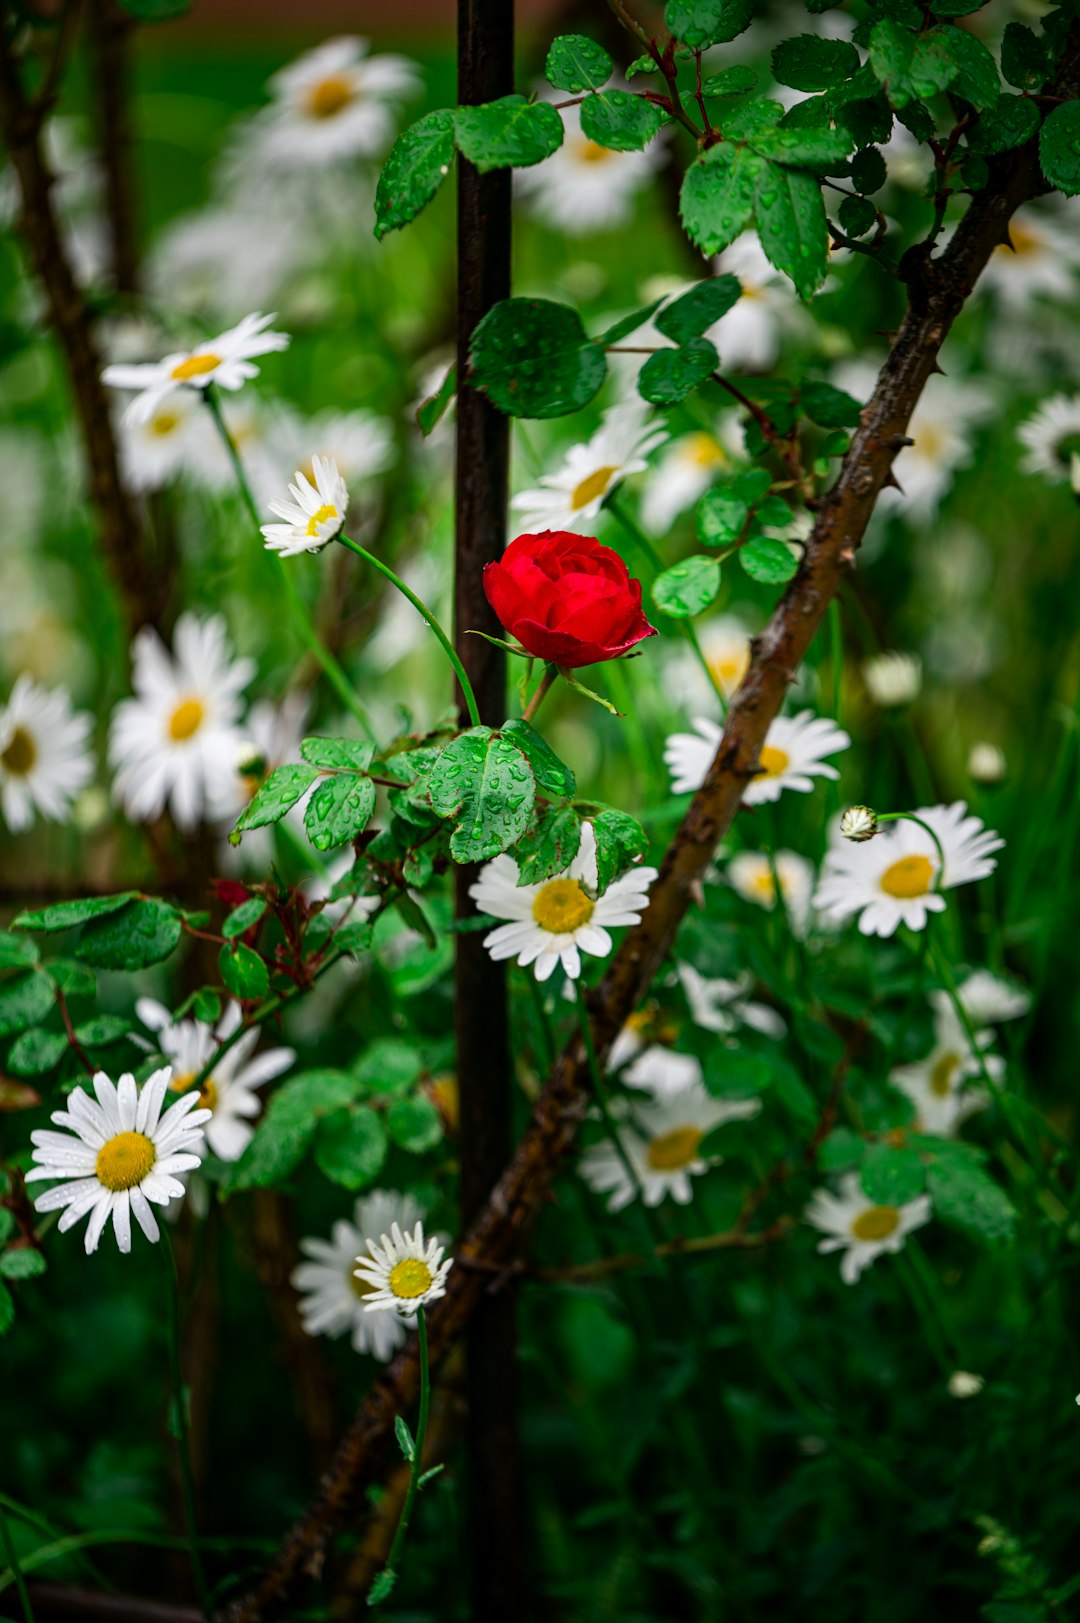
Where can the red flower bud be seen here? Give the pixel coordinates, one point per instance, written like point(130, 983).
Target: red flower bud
point(566, 598)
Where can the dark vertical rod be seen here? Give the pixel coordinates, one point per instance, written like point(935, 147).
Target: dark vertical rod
point(111, 32)
point(495, 1560)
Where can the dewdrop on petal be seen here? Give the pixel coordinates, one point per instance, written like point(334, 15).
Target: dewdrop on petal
point(986, 763)
point(963, 1384)
point(859, 823)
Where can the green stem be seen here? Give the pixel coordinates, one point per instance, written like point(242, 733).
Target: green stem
point(421, 608)
point(910, 817)
point(331, 668)
point(418, 1450)
point(16, 1569)
point(172, 1305)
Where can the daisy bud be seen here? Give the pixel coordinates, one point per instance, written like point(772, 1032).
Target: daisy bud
point(859, 823)
point(986, 763)
point(963, 1384)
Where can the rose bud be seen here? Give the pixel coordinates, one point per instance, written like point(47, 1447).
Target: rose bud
point(566, 598)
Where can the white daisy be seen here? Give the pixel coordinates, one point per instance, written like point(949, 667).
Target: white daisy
point(571, 498)
point(45, 759)
point(584, 187)
point(1041, 262)
point(360, 442)
point(333, 103)
point(663, 1145)
point(750, 875)
point(648, 1026)
point(177, 743)
point(315, 515)
point(725, 643)
point(661, 1072)
point(229, 1092)
point(860, 1229)
point(938, 1085)
point(791, 757)
point(723, 1006)
point(333, 1297)
point(1052, 440)
point(558, 920)
point(404, 1272)
point(893, 679)
point(227, 360)
point(687, 468)
point(986, 763)
point(942, 427)
point(894, 879)
point(118, 1155)
point(171, 441)
point(987, 999)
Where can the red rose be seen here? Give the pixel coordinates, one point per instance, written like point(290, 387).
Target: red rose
point(566, 598)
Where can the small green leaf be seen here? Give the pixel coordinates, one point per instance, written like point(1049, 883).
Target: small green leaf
point(17, 951)
point(414, 1124)
point(1025, 61)
point(734, 81)
point(388, 1066)
point(549, 847)
point(977, 75)
point(824, 149)
point(692, 312)
point(338, 811)
point(791, 223)
point(869, 171)
point(418, 164)
point(717, 197)
point(288, 1127)
point(351, 1147)
point(808, 62)
point(338, 754)
point(142, 933)
point(911, 68)
point(282, 789)
point(485, 784)
point(429, 1475)
point(240, 920)
point(36, 1052)
point(720, 517)
point(829, 407)
point(967, 1197)
point(431, 411)
point(404, 1438)
point(532, 358)
point(1059, 149)
point(620, 120)
point(62, 915)
point(687, 588)
point(576, 63)
point(102, 1031)
point(628, 324)
point(507, 132)
point(767, 560)
point(22, 1263)
point(840, 1150)
point(382, 1587)
point(620, 842)
point(1009, 123)
point(698, 23)
point(892, 1177)
point(243, 971)
point(671, 374)
point(553, 777)
point(354, 938)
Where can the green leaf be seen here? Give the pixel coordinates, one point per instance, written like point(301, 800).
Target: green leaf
point(910, 68)
point(967, 1197)
point(746, 120)
point(429, 1475)
point(354, 938)
point(1059, 150)
point(869, 171)
point(282, 789)
point(243, 971)
point(73, 979)
point(1009, 123)
point(549, 847)
point(698, 23)
point(773, 513)
point(338, 811)
point(62, 915)
point(628, 324)
point(388, 1066)
point(892, 1177)
point(977, 75)
point(485, 784)
point(735, 81)
point(829, 407)
point(414, 1124)
point(17, 951)
point(553, 777)
point(692, 312)
point(620, 120)
point(840, 1150)
point(717, 197)
point(641, 64)
point(791, 223)
point(382, 1587)
point(404, 1438)
point(36, 1052)
point(767, 560)
point(576, 63)
point(102, 1031)
point(510, 131)
point(825, 148)
point(289, 1125)
point(1025, 61)
point(720, 517)
point(687, 588)
point(431, 411)
point(22, 1263)
point(532, 358)
point(142, 933)
point(418, 164)
point(351, 1147)
point(240, 920)
point(620, 842)
point(338, 754)
point(808, 62)
point(671, 374)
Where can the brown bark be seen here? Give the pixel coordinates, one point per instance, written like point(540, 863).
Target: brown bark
point(111, 32)
point(937, 293)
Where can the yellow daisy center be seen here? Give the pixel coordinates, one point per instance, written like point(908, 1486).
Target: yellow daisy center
point(589, 489)
point(653, 1025)
point(208, 1093)
point(930, 440)
point(907, 877)
point(876, 1223)
point(196, 366)
point(704, 451)
point(164, 423)
point(773, 761)
point(330, 96)
point(942, 1075)
point(186, 720)
point(320, 516)
point(765, 886)
point(729, 669)
point(19, 753)
point(562, 906)
point(410, 1278)
point(593, 152)
point(675, 1150)
point(124, 1161)
point(1024, 241)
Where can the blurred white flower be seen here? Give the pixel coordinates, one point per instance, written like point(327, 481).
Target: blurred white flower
point(45, 757)
point(1051, 439)
point(893, 678)
point(570, 498)
point(219, 261)
point(938, 1086)
point(584, 187)
point(986, 763)
point(227, 360)
point(987, 999)
point(861, 1229)
point(332, 104)
point(660, 1072)
point(725, 643)
point(177, 437)
point(663, 1145)
point(791, 757)
point(332, 1297)
point(750, 875)
point(964, 1384)
point(723, 1006)
point(1042, 261)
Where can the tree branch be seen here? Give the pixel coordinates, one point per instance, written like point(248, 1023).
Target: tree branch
point(937, 295)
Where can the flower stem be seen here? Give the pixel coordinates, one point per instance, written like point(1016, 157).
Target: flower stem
point(390, 1570)
point(172, 1306)
point(421, 608)
point(16, 1570)
point(542, 688)
point(331, 668)
point(910, 817)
